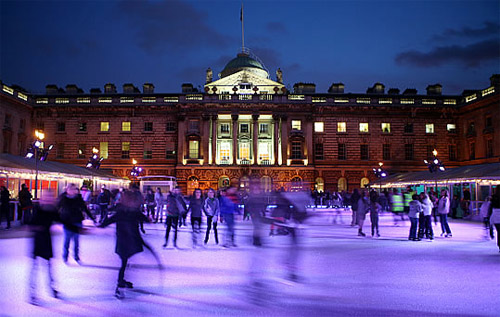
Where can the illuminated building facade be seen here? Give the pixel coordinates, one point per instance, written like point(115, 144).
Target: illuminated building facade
point(246, 124)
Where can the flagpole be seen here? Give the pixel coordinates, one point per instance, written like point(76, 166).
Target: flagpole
point(242, 30)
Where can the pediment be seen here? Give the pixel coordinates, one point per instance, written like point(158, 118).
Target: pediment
point(243, 76)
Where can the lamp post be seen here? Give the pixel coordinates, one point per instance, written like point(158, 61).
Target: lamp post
point(37, 151)
point(435, 165)
point(94, 162)
point(136, 170)
point(380, 173)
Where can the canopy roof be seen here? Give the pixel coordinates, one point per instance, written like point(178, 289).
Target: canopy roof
point(482, 173)
point(22, 164)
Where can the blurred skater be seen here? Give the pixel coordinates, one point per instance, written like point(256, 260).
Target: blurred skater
point(228, 207)
point(5, 205)
point(45, 213)
point(175, 207)
point(195, 207)
point(211, 208)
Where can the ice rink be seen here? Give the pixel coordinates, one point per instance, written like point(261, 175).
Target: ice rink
point(339, 274)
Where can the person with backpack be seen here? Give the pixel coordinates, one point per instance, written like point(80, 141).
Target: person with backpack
point(71, 208)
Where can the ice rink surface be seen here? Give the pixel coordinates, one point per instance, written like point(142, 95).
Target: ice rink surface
point(339, 274)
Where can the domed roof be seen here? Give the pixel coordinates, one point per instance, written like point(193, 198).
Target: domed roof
point(242, 61)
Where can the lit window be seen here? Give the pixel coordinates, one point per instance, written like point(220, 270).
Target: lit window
point(264, 128)
point(22, 96)
point(42, 100)
point(125, 150)
point(83, 100)
point(363, 100)
point(8, 89)
point(386, 127)
point(103, 149)
point(264, 151)
point(296, 125)
point(105, 100)
point(171, 99)
point(244, 128)
point(126, 99)
point(104, 126)
point(363, 127)
point(319, 127)
point(126, 126)
point(62, 100)
point(193, 148)
point(244, 151)
point(451, 127)
point(341, 127)
point(429, 128)
point(225, 151)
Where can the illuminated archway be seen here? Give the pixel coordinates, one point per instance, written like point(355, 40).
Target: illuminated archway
point(342, 184)
point(223, 182)
point(192, 184)
point(266, 183)
point(320, 184)
point(364, 181)
point(296, 184)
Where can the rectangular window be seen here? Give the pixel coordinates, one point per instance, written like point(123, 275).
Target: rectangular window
point(341, 127)
point(194, 126)
point(225, 151)
point(452, 152)
point(60, 150)
point(489, 148)
point(386, 152)
point(224, 128)
point(342, 151)
point(451, 128)
point(363, 127)
point(170, 127)
point(409, 152)
point(296, 125)
point(472, 151)
point(193, 149)
point(244, 128)
point(103, 149)
point(319, 127)
point(364, 152)
point(386, 127)
point(125, 150)
point(61, 127)
point(244, 151)
point(429, 128)
point(148, 151)
point(264, 151)
point(408, 128)
point(296, 150)
point(148, 126)
point(318, 151)
point(81, 151)
point(126, 126)
point(263, 128)
point(82, 127)
point(104, 126)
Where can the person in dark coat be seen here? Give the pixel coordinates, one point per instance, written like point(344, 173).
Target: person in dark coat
point(175, 208)
point(103, 200)
point(354, 206)
point(195, 207)
point(5, 205)
point(25, 204)
point(128, 238)
point(45, 214)
point(71, 208)
point(256, 205)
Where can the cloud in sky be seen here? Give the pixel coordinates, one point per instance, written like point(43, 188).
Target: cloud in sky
point(489, 28)
point(276, 27)
point(469, 56)
point(170, 26)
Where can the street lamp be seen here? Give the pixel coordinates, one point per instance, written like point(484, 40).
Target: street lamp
point(435, 165)
point(94, 160)
point(380, 173)
point(136, 170)
point(37, 151)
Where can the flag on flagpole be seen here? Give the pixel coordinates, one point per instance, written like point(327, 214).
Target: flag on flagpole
point(241, 13)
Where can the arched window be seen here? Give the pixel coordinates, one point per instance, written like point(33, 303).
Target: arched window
point(224, 182)
point(320, 184)
point(192, 184)
point(364, 181)
point(266, 183)
point(245, 183)
point(342, 184)
point(296, 184)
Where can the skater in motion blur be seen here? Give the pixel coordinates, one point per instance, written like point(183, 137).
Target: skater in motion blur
point(45, 213)
point(128, 239)
point(211, 208)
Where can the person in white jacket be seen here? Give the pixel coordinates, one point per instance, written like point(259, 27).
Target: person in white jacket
point(485, 208)
point(443, 210)
point(427, 206)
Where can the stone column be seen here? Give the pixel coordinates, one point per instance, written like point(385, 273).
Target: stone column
point(255, 138)
point(309, 139)
point(214, 139)
point(276, 137)
point(235, 137)
point(181, 138)
point(284, 139)
point(205, 137)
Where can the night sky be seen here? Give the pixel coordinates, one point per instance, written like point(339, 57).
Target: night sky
point(402, 44)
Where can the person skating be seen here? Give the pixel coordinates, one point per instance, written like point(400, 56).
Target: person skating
point(443, 210)
point(175, 207)
point(363, 209)
point(71, 208)
point(413, 214)
point(44, 215)
point(228, 207)
point(25, 205)
point(104, 200)
point(375, 209)
point(211, 208)
point(484, 211)
point(195, 207)
point(159, 201)
point(128, 238)
point(427, 207)
point(5, 205)
point(494, 213)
